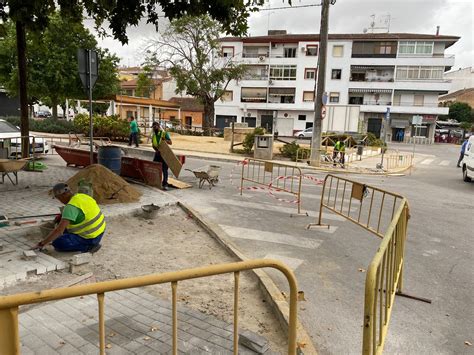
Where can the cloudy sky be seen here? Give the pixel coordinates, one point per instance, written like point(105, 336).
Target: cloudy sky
point(455, 17)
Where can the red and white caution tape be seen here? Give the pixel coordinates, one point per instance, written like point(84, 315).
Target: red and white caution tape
point(231, 177)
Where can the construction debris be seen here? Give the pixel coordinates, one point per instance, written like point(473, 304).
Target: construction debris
point(253, 341)
point(81, 259)
point(107, 187)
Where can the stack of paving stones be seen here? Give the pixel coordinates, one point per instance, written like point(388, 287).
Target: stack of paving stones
point(135, 322)
point(15, 267)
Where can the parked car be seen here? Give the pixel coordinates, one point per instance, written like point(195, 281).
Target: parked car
point(43, 114)
point(10, 133)
point(467, 163)
point(307, 133)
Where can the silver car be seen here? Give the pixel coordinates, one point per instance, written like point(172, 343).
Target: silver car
point(307, 133)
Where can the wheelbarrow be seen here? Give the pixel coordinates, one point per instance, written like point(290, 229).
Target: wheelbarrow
point(208, 173)
point(11, 166)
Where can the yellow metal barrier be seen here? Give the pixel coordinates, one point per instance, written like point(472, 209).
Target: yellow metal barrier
point(394, 161)
point(9, 305)
point(277, 176)
point(386, 215)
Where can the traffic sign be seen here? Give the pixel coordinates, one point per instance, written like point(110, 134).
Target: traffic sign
point(88, 63)
point(417, 120)
point(323, 112)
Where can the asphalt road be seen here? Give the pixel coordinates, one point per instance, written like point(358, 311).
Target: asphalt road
point(330, 266)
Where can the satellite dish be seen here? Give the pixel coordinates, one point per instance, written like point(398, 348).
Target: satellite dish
point(364, 30)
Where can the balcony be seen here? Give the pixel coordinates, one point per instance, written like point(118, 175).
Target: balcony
point(407, 108)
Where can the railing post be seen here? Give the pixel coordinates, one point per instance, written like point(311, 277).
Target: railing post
point(9, 334)
point(100, 299)
point(242, 178)
point(174, 287)
point(236, 312)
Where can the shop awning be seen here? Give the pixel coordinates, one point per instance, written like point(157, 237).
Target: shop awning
point(369, 67)
point(282, 92)
point(371, 91)
point(399, 123)
point(254, 98)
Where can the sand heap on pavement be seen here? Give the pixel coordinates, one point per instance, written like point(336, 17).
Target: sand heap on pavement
point(105, 185)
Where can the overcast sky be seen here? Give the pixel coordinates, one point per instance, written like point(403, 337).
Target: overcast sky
point(455, 17)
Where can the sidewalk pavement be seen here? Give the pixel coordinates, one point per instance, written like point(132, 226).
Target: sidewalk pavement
point(135, 323)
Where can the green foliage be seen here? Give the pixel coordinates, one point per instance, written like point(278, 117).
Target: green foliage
point(112, 127)
point(48, 125)
point(249, 139)
point(188, 46)
point(52, 63)
point(145, 83)
point(460, 111)
point(290, 150)
point(374, 141)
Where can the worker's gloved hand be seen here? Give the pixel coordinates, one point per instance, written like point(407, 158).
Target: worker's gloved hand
point(57, 219)
point(38, 246)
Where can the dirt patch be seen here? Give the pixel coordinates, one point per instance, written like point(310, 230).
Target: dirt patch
point(173, 241)
point(108, 187)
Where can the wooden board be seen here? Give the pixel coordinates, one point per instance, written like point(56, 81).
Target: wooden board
point(170, 158)
point(178, 184)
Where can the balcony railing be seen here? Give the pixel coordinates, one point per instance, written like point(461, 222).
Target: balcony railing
point(373, 55)
point(254, 55)
point(376, 80)
point(380, 103)
point(255, 77)
point(411, 103)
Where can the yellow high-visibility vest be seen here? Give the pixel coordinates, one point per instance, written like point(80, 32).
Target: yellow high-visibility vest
point(157, 137)
point(93, 224)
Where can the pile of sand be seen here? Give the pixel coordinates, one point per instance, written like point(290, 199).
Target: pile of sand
point(106, 185)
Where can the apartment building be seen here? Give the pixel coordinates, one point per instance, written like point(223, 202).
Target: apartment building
point(366, 76)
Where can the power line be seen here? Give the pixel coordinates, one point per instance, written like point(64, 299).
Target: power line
point(288, 7)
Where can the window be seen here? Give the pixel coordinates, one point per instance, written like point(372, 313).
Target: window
point(336, 74)
point(334, 97)
point(337, 51)
point(281, 95)
point(308, 96)
point(283, 72)
point(312, 50)
point(301, 117)
point(227, 96)
point(289, 52)
point(419, 73)
point(253, 95)
point(416, 47)
point(384, 48)
point(418, 100)
point(227, 52)
point(310, 73)
point(356, 100)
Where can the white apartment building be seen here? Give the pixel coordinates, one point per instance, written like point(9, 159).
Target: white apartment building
point(367, 74)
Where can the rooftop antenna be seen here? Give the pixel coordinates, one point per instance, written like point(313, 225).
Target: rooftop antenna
point(380, 24)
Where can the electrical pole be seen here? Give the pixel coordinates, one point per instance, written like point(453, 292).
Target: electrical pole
point(315, 158)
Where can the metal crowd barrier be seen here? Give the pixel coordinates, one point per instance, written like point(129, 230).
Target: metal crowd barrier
point(386, 215)
point(275, 176)
point(9, 305)
point(393, 161)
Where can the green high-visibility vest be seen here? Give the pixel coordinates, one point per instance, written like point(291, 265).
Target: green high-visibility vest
point(340, 146)
point(93, 224)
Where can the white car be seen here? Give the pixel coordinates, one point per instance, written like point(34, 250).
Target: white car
point(467, 163)
point(12, 135)
point(307, 133)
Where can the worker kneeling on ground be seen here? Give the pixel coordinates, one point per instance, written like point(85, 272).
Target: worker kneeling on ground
point(82, 224)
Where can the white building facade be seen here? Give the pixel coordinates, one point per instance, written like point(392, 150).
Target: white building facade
point(366, 76)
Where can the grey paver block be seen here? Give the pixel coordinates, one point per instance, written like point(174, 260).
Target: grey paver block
point(159, 346)
point(253, 341)
point(89, 349)
point(75, 340)
point(68, 349)
point(133, 346)
point(199, 333)
point(225, 343)
point(198, 323)
point(29, 255)
point(220, 332)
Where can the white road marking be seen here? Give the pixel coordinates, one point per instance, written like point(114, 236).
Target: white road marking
point(427, 161)
point(264, 236)
point(445, 163)
point(276, 208)
point(292, 263)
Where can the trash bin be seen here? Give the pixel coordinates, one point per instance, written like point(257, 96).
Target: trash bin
point(360, 149)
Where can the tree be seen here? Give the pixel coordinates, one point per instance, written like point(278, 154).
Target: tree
point(460, 111)
point(190, 48)
point(52, 64)
point(33, 15)
point(145, 83)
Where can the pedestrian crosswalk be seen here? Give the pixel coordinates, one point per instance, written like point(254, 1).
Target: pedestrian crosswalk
point(436, 162)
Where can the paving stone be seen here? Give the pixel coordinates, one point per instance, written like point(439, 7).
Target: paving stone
point(253, 341)
point(225, 343)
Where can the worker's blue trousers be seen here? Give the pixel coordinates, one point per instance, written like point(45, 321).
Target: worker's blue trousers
point(73, 242)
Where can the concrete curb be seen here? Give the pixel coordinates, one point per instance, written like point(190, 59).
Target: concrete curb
point(272, 293)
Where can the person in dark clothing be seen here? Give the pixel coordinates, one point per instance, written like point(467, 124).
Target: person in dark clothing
point(461, 154)
point(158, 135)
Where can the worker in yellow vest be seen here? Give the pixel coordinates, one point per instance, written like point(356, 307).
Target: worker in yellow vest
point(82, 224)
point(158, 135)
point(339, 149)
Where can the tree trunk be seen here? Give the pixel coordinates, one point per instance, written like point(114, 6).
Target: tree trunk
point(54, 103)
point(22, 75)
point(208, 122)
